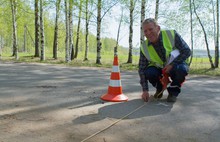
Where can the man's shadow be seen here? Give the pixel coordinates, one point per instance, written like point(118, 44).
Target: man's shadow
point(119, 110)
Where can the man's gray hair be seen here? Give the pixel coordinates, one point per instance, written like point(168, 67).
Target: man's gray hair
point(150, 20)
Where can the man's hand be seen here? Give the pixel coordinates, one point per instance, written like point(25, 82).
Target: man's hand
point(145, 96)
point(167, 68)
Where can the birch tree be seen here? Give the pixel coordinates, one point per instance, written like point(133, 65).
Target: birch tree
point(67, 47)
point(99, 44)
point(157, 9)
point(118, 34)
point(56, 30)
point(25, 38)
point(191, 31)
point(70, 20)
point(143, 3)
point(87, 32)
point(100, 16)
point(37, 25)
point(89, 8)
point(78, 29)
point(205, 36)
point(42, 57)
point(14, 27)
point(217, 35)
point(131, 9)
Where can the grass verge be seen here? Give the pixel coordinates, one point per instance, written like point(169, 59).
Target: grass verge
point(199, 66)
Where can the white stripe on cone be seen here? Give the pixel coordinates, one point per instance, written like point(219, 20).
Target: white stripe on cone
point(115, 83)
point(115, 69)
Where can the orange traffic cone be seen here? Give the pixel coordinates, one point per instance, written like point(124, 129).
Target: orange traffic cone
point(115, 89)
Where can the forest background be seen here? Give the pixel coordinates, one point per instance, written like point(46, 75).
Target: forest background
point(91, 32)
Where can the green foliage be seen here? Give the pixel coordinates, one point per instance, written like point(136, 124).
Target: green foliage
point(169, 17)
point(25, 17)
point(199, 66)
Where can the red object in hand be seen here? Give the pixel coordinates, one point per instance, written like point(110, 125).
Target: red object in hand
point(165, 79)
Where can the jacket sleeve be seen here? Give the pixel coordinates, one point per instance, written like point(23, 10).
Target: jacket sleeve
point(143, 63)
point(183, 48)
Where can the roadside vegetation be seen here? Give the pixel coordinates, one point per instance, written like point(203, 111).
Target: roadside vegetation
point(89, 33)
point(199, 66)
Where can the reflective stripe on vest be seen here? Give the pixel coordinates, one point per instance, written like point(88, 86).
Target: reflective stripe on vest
point(151, 54)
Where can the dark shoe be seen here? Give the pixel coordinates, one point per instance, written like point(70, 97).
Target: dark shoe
point(158, 94)
point(171, 98)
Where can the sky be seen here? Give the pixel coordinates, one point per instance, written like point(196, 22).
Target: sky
point(111, 24)
point(111, 30)
point(110, 27)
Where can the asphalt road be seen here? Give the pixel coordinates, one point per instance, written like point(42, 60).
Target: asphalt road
point(49, 103)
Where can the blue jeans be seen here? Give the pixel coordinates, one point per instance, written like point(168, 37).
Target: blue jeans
point(177, 75)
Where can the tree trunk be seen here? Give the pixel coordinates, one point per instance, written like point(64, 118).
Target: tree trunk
point(191, 31)
point(37, 25)
point(119, 27)
point(206, 40)
point(143, 3)
point(217, 36)
point(131, 32)
point(157, 9)
point(71, 47)
point(99, 44)
point(78, 29)
point(67, 32)
point(56, 30)
point(1, 47)
point(42, 57)
point(14, 26)
point(87, 32)
point(30, 35)
point(25, 38)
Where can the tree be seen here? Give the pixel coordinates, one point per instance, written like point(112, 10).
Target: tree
point(99, 21)
point(70, 17)
point(56, 30)
point(205, 36)
point(42, 57)
point(99, 44)
point(191, 31)
point(118, 34)
point(143, 3)
point(37, 25)
point(217, 36)
point(87, 32)
point(25, 35)
point(67, 31)
point(131, 32)
point(14, 26)
point(26, 31)
point(78, 28)
point(157, 9)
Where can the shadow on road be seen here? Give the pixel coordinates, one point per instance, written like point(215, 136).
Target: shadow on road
point(119, 110)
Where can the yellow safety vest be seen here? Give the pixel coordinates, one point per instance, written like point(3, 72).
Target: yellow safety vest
point(168, 37)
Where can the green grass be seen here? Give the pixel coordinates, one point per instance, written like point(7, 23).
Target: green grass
point(202, 66)
point(199, 66)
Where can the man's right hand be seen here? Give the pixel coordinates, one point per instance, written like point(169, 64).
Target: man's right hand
point(145, 96)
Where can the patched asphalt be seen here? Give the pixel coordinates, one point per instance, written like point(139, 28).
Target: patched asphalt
point(54, 103)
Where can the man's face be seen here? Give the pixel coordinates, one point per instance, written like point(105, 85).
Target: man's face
point(151, 31)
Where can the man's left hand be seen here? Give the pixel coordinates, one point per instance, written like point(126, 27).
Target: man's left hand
point(167, 68)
